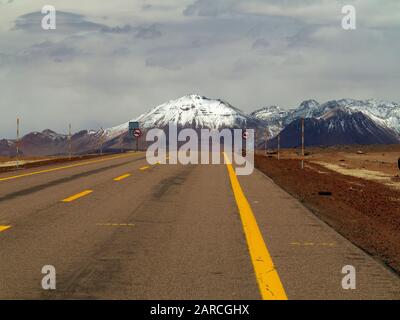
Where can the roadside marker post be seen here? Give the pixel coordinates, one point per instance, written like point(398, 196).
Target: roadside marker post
point(70, 142)
point(17, 144)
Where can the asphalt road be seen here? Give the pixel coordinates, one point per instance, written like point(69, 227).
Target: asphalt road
point(118, 228)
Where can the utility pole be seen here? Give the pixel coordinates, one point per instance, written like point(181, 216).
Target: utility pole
point(101, 141)
point(17, 144)
point(279, 146)
point(302, 143)
point(70, 142)
point(255, 140)
point(266, 141)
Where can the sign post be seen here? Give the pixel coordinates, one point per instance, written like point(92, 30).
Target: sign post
point(134, 130)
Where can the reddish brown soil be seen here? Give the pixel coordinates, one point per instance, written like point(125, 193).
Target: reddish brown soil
point(365, 212)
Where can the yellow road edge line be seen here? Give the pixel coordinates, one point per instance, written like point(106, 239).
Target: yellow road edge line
point(65, 167)
point(122, 177)
point(267, 276)
point(144, 168)
point(114, 225)
point(77, 196)
point(4, 228)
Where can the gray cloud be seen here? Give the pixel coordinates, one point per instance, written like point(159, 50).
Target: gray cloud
point(66, 22)
point(210, 8)
point(57, 52)
point(118, 30)
point(261, 43)
point(103, 66)
point(148, 32)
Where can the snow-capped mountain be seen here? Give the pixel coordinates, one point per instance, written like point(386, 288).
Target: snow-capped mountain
point(339, 125)
point(195, 111)
point(7, 148)
point(344, 121)
point(190, 111)
point(273, 117)
point(386, 114)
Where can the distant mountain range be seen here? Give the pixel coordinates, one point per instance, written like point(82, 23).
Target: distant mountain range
point(343, 121)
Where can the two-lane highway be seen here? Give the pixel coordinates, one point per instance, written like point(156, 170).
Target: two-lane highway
point(120, 228)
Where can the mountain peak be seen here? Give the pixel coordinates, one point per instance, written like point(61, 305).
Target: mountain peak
point(339, 112)
point(310, 104)
point(196, 111)
point(194, 96)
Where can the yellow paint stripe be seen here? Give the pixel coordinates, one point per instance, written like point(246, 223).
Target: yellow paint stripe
point(115, 224)
point(308, 244)
point(122, 177)
point(144, 168)
point(267, 276)
point(77, 196)
point(65, 167)
point(4, 228)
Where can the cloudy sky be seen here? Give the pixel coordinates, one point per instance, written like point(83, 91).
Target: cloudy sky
point(109, 61)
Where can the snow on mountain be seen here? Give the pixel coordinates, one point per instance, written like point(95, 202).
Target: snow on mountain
point(307, 109)
point(196, 111)
point(273, 117)
point(333, 122)
point(384, 113)
point(192, 111)
point(340, 125)
point(387, 113)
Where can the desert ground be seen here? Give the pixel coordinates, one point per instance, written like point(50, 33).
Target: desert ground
point(356, 190)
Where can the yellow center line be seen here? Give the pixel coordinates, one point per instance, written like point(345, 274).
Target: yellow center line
point(267, 277)
point(4, 228)
point(144, 168)
point(65, 167)
point(77, 196)
point(122, 177)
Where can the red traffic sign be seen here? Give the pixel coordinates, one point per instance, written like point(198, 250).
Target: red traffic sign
point(137, 133)
point(245, 134)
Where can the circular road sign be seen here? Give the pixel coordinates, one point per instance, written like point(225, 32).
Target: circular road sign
point(137, 133)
